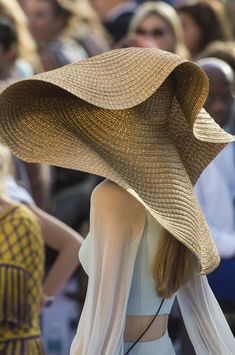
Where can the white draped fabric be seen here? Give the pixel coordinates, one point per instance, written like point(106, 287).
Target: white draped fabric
point(108, 256)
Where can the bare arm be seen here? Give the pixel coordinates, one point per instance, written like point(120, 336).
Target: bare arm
point(117, 222)
point(67, 242)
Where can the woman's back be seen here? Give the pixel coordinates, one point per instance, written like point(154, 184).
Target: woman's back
point(141, 232)
point(143, 299)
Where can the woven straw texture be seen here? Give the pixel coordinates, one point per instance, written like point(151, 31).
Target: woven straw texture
point(132, 115)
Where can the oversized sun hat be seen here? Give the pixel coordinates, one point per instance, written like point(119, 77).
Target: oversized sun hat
point(133, 116)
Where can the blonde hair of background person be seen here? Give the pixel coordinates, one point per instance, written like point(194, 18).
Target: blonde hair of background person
point(222, 50)
point(80, 14)
point(167, 14)
point(26, 46)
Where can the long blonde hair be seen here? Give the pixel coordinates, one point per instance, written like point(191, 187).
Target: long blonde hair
point(172, 265)
point(80, 12)
point(26, 46)
point(168, 14)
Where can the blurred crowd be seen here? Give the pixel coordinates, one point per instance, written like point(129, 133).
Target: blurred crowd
point(41, 35)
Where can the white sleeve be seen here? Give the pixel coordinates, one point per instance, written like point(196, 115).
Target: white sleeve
point(112, 254)
point(204, 320)
point(217, 206)
point(225, 242)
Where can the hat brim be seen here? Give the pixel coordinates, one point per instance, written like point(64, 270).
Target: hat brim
point(39, 119)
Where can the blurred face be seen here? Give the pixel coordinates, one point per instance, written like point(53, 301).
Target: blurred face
point(44, 25)
point(192, 34)
point(155, 28)
point(220, 99)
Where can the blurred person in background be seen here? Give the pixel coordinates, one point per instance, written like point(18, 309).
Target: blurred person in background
point(229, 6)
point(215, 188)
point(159, 22)
point(49, 24)
point(115, 15)
point(23, 231)
point(222, 50)
point(203, 22)
point(85, 26)
point(82, 24)
point(35, 177)
point(220, 97)
point(226, 52)
point(27, 61)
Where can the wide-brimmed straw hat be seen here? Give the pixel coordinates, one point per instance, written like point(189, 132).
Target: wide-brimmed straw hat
point(133, 116)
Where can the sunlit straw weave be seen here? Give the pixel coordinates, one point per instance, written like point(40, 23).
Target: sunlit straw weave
point(132, 115)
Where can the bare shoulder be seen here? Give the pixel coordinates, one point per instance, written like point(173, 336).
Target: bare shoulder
point(112, 200)
point(111, 193)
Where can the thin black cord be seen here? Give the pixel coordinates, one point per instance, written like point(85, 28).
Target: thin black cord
point(132, 346)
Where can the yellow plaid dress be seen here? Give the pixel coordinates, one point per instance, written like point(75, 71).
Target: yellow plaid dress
point(21, 274)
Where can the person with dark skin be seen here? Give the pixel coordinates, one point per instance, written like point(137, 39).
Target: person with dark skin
point(8, 52)
point(216, 189)
point(212, 188)
point(220, 98)
point(221, 50)
point(35, 177)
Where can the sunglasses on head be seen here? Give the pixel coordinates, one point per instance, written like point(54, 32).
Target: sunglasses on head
point(156, 32)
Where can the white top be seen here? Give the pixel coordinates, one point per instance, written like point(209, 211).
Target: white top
point(109, 257)
point(215, 191)
point(143, 299)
